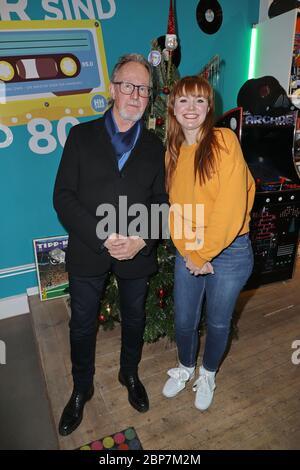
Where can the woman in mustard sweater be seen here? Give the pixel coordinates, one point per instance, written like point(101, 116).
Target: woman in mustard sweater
point(211, 194)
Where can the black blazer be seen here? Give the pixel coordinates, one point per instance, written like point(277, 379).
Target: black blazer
point(88, 176)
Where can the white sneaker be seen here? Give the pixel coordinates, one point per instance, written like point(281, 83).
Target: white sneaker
point(179, 376)
point(204, 388)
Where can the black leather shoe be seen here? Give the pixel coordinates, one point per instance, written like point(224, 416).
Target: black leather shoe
point(73, 412)
point(137, 395)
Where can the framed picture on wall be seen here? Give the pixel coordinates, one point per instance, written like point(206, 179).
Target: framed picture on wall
point(50, 266)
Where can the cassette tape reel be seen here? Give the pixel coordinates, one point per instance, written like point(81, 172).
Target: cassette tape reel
point(44, 67)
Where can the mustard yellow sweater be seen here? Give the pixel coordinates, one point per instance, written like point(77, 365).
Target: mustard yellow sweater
point(227, 200)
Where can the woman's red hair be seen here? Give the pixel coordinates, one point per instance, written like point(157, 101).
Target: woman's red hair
point(208, 145)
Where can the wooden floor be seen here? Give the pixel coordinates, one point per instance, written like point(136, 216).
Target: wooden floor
point(257, 399)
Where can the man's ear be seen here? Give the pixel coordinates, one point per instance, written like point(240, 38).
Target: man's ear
point(112, 90)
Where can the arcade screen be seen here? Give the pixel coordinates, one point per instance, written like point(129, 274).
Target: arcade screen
point(268, 151)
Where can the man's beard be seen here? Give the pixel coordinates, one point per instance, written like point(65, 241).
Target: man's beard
point(130, 117)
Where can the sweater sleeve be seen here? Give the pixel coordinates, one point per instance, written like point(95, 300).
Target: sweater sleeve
point(229, 211)
point(179, 241)
point(158, 197)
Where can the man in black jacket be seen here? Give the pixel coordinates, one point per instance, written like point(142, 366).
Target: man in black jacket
point(109, 165)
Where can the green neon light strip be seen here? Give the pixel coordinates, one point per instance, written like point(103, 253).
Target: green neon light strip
point(252, 53)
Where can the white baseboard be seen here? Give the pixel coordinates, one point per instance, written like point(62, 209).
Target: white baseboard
point(13, 306)
point(32, 291)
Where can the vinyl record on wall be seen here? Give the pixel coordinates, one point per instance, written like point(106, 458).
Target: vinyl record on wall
point(209, 16)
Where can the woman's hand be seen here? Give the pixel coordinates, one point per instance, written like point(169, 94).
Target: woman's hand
point(207, 268)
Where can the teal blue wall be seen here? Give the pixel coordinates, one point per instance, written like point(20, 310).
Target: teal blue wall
point(26, 179)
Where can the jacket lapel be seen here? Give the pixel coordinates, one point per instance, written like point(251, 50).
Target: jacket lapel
point(103, 143)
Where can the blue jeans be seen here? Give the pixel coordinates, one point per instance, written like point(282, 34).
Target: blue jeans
point(232, 268)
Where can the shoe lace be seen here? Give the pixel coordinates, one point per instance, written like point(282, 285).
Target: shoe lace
point(179, 374)
point(202, 385)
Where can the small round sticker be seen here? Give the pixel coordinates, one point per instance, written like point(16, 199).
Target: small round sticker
point(154, 58)
point(98, 103)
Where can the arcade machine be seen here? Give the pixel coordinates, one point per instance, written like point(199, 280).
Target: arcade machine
point(273, 156)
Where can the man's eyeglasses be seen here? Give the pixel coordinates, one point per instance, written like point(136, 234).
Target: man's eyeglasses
point(128, 88)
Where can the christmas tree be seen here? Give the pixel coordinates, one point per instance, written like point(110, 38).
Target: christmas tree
point(164, 57)
point(159, 304)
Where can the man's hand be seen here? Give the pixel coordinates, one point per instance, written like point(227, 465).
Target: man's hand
point(123, 248)
point(207, 268)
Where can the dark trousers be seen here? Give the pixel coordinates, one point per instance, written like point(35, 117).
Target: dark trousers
point(86, 293)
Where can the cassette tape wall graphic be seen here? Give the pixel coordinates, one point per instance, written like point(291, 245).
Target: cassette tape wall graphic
point(51, 70)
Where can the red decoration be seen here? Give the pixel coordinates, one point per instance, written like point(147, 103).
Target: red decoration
point(171, 21)
point(159, 121)
point(161, 293)
point(101, 318)
point(171, 39)
point(166, 90)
